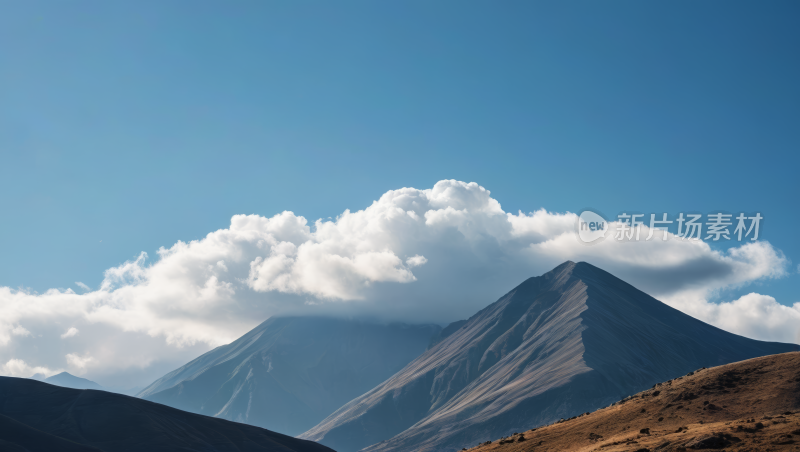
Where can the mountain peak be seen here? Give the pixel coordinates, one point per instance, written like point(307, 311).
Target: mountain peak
point(569, 341)
point(68, 380)
point(578, 269)
point(581, 270)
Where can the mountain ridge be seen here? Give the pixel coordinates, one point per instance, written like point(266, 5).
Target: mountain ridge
point(565, 342)
point(37, 416)
point(67, 380)
point(746, 405)
point(309, 366)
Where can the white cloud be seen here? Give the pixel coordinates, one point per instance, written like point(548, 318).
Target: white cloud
point(20, 331)
point(19, 368)
point(465, 251)
point(753, 315)
point(82, 286)
point(70, 333)
point(416, 260)
point(78, 363)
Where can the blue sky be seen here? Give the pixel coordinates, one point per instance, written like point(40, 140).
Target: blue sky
point(128, 126)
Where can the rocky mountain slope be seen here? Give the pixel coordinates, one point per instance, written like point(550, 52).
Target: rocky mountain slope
point(752, 405)
point(39, 417)
point(564, 343)
point(289, 373)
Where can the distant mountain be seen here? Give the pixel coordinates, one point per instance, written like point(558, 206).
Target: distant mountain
point(289, 373)
point(68, 380)
point(38, 417)
point(132, 391)
point(567, 342)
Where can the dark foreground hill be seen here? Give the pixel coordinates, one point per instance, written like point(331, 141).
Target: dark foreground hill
point(289, 373)
point(39, 417)
point(751, 405)
point(564, 343)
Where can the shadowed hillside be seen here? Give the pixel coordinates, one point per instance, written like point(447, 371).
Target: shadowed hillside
point(39, 417)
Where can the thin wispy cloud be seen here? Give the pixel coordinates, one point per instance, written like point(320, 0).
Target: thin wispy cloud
point(82, 286)
point(72, 332)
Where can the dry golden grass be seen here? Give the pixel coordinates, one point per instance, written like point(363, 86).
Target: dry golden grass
point(752, 405)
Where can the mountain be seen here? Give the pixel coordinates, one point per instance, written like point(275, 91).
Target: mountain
point(39, 417)
point(289, 373)
point(748, 405)
point(128, 391)
point(68, 380)
point(564, 343)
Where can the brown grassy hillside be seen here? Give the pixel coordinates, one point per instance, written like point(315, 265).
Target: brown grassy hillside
point(751, 405)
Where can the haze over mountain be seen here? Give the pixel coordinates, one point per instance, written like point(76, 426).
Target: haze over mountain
point(289, 373)
point(570, 341)
point(67, 380)
point(39, 417)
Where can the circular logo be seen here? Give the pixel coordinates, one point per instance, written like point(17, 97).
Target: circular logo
point(591, 227)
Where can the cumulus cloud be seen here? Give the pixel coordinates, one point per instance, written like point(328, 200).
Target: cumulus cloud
point(416, 260)
point(752, 315)
point(437, 254)
point(78, 363)
point(21, 369)
point(20, 331)
point(70, 333)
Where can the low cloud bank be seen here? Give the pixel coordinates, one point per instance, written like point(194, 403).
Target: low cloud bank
point(433, 255)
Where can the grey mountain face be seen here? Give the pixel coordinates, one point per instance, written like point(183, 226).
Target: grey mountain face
point(288, 374)
point(68, 380)
point(567, 342)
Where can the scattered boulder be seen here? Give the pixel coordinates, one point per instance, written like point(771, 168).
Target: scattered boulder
point(707, 442)
point(784, 439)
point(663, 447)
